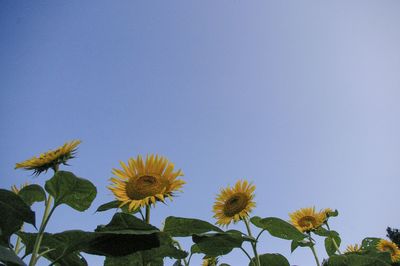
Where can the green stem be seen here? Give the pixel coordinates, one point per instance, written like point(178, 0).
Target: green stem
point(17, 249)
point(46, 216)
point(148, 214)
point(313, 250)
point(245, 252)
point(333, 240)
point(253, 245)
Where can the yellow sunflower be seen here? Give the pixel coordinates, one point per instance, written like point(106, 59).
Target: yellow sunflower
point(388, 246)
point(234, 204)
point(353, 249)
point(16, 190)
point(210, 262)
point(50, 159)
point(141, 183)
point(307, 219)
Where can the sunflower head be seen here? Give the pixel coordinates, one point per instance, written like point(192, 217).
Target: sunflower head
point(143, 182)
point(50, 159)
point(16, 190)
point(210, 262)
point(388, 246)
point(353, 249)
point(307, 219)
point(234, 204)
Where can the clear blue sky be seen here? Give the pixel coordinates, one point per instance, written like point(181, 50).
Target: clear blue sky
point(300, 97)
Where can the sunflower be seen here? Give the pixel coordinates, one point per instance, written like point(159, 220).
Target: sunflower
point(307, 219)
point(141, 183)
point(388, 246)
point(50, 159)
point(234, 203)
point(353, 249)
point(16, 190)
point(210, 262)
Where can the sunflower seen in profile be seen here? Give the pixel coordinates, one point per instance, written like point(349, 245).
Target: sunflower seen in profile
point(141, 183)
point(353, 249)
point(307, 219)
point(50, 159)
point(388, 246)
point(234, 204)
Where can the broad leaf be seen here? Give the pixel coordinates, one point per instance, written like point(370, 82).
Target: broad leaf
point(303, 243)
point(76, 192)
point(330, 245)
point(357, 260)
point(8, 256)
point(70, 243)
point(152, 256)
point(217, 244)
point(123, 223)
point(370, 243)
point(115, 205)
point(32, 193)
point(278, 228)
point(181, 227)
point(14, 212)
point(271, 260)
point(59, 246)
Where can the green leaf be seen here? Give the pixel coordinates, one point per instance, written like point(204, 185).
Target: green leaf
point(8, 256)
point(356, 260)
point(370, 243)
point(274, 259)
point(32, 193)
point(70, 243)
point(76, 192)
point(57, 245)
point(329, 244)
point(152, 256)
point(278, 228)
point(322, 232)
point(217, 244)
point(303, 243)
point(181, 227)
point(14, 212)
point(115, 205)
point(123, 223)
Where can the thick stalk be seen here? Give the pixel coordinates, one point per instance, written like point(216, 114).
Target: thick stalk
point(313, 250)
point(253, 245)
point(148, 214)
point(46, 216)
point(48, 211)
point(17, 249)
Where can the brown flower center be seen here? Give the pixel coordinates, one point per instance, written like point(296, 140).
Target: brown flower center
point(235, 204)
point(390, 249)
point(144, 186)
point(307, 221)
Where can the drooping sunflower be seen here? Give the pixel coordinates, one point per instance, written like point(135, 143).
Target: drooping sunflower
point(50, 159)
point(210, 262)
point(353, 249)
point(307, 219)
point(141, 183)
point(16, 190)
point(388, 246)
point(234, 204)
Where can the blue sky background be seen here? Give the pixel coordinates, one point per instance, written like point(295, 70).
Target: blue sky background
point(300, 97)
